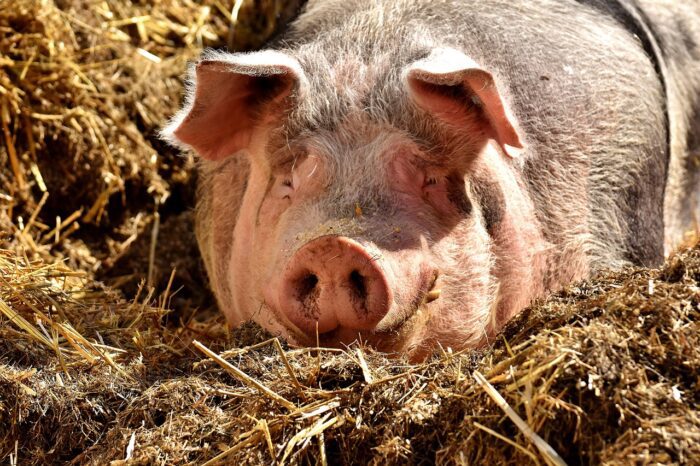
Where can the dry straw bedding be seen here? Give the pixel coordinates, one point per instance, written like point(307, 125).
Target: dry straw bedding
point(605, 372)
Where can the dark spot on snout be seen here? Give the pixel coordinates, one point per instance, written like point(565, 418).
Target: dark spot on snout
point(358, 285)
point(491, 201)
point(307, 294)
point(307, 284)
point(359, 291)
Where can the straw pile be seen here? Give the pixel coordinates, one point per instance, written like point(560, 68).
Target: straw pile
point(607, 371)
point(142, 370)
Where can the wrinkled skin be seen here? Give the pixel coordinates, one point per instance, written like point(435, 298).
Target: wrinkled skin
point(421, 187)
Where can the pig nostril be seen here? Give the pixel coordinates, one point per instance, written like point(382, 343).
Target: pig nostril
point(358, 285)
point(306, 286)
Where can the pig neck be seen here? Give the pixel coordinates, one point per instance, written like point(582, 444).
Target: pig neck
point(521, 252)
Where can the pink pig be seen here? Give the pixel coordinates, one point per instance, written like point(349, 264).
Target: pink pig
point(413, 174)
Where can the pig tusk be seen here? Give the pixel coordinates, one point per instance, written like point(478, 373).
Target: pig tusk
point(432, 296)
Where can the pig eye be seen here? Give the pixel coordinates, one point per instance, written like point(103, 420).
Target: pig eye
point(283, 187)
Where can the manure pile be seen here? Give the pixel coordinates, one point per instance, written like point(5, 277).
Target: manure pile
point(111, 351)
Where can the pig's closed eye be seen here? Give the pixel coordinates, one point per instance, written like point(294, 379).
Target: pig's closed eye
point(288, 188)
point(446, 192)
point(283, 187)
point(433, 183)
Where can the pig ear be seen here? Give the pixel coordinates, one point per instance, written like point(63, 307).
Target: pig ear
point(230, 95)
point(449, 84)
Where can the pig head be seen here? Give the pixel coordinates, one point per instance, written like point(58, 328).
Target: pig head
point(403, 192)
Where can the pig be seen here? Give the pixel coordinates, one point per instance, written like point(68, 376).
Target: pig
point(412, 174)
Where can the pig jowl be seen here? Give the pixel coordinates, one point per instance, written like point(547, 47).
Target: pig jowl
point(421, 186)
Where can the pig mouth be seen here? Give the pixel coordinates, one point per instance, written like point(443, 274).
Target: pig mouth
point(390, 340)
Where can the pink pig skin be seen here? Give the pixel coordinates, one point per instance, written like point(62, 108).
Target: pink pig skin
point(413, 174)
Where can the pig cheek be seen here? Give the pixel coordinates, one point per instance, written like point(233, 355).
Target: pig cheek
point(271, 225)
point(228, 186)
point(271, 250)
point(251, 254)
point(460, 317)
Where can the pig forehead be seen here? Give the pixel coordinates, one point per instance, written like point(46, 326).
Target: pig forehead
point(355, 101)
point(356, 143)
point(354, 149)
point(350, 117)
point(359, 145)
point(342, 80)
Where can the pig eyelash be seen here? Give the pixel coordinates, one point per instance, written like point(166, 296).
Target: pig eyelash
point(288, 183)
point(431, 181)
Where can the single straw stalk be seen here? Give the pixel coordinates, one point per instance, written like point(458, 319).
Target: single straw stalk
point(243, 377)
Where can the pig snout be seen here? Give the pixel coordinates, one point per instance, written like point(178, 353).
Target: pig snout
point(334, 282)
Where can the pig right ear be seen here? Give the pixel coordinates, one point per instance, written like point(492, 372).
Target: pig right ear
point(229, 96)
point(450, 85)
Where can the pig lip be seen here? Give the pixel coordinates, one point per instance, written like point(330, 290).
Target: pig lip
point(389, 340)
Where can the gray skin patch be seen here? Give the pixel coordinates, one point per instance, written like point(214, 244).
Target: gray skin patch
point(457, 195)
point(492, 203)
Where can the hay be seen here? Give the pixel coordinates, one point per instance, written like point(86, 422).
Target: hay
point(604, 372)
point(125, 373)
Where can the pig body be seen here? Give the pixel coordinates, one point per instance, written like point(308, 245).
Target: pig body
point(413, 173)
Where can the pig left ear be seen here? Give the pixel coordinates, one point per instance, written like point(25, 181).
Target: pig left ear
point(229, 96)
point(449, 85)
